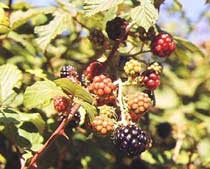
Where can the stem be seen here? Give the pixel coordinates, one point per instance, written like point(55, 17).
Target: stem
point(58, 132)
point(123, 110)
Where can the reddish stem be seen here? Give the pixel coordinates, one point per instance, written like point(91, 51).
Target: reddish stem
point(58, 132)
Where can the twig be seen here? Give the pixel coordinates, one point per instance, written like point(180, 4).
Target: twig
point(58, 132)
point(140, 52)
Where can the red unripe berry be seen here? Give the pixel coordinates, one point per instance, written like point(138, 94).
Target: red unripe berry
point(163, 45)
point(61, 104)
point(93, 69)
point(151, 80)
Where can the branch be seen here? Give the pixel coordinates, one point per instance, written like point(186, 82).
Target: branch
point(58, 132)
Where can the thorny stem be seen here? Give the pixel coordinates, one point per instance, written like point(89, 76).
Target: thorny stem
point(58, 132)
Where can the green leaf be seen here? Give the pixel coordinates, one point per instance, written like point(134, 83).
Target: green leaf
point(10, 77)
point(3, 5)
point(40, 94)
point(177, 5)
point(145, 15)
point(8, 116)
point(19, 18)
point(35, 139)
point(48, 32)
point(147, 156)
point(27, 155)
point(38, 73)
point(189, 46)
point(19, 38)
point(94, 6)
point(74, 89)
point(90, 109)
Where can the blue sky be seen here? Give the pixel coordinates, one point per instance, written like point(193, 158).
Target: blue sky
point(193, 9)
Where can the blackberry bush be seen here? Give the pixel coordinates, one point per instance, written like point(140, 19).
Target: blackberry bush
point(116, 51)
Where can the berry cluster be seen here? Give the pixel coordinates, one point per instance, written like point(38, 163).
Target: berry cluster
point(133, 68)
point(102, 86)
point(103, 124)
point(131, 139)
point(155, 66)
point(138, 104)
point(163, 45)
point(61, 103)
point(118, 111)
point(93, 69)
point(151, 79)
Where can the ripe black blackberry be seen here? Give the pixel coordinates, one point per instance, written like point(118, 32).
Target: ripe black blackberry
point(97, 37)
point(69, 72)
point(131, 139)
point(75, 120)
point(116, 29)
